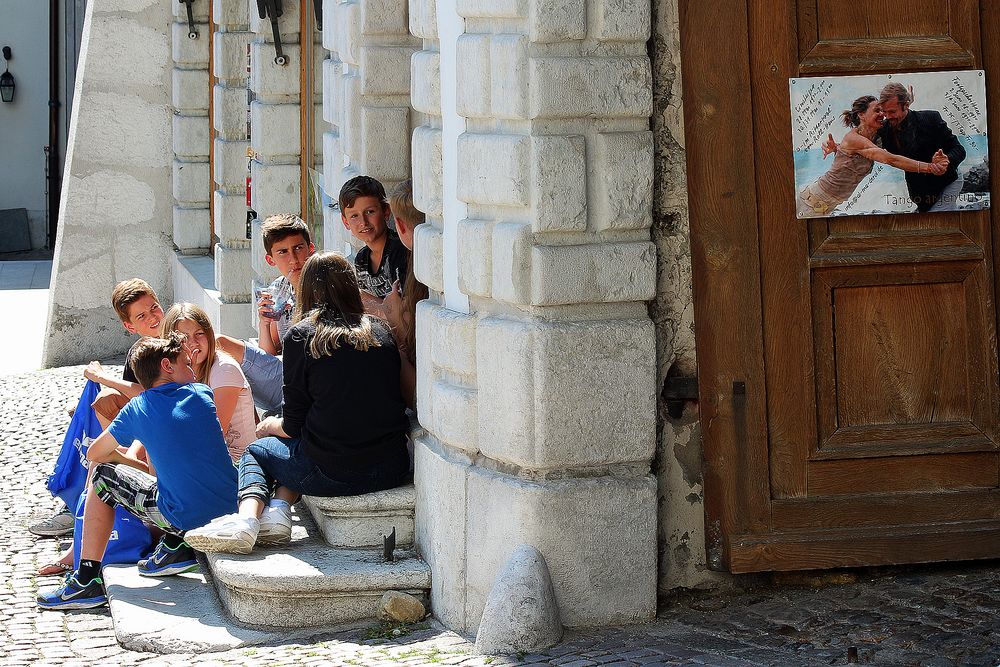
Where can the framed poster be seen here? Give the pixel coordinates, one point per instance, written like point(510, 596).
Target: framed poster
point(890, 143)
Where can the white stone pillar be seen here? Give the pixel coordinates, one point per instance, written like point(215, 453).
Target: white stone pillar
point(191, 182)
point(366, 98)
point(232, 252)
point(115, 217)
point(274, 125)
point(540, 405)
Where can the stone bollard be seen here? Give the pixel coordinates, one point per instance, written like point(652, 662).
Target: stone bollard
point(521, 613)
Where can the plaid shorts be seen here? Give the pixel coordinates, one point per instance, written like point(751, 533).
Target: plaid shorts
point(119, 485)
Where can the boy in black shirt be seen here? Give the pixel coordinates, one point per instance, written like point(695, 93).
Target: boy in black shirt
point(365, 213)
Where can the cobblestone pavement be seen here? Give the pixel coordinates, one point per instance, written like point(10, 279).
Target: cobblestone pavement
point(933, 616)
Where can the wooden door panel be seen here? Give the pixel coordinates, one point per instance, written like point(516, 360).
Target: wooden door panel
point(887, 35)
point(957, 472)
point(905, 359)
point(897, 509)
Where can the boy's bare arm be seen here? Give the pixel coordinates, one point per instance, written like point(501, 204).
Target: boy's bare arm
point(105, 449)
point(95, 371)
point(268, 340)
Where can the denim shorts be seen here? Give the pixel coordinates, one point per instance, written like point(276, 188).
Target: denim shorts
point(264, 374)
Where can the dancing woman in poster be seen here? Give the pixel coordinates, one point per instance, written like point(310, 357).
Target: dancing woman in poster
point(854, 159)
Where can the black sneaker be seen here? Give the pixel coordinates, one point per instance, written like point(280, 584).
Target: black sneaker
point(165, 561)
point(74, 595)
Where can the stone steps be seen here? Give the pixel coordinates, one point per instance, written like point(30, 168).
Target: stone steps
point(361, 521)
point(311, 583)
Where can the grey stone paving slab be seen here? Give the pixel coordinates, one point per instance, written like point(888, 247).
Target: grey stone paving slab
point(178, 614)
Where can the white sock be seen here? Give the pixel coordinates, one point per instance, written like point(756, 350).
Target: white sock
point(278, 503)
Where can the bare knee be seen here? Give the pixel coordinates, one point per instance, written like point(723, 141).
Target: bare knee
point(108, 404)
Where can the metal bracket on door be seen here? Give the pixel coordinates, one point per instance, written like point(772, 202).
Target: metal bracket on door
point(192, 31)
point(678, 390)
point(271, 9)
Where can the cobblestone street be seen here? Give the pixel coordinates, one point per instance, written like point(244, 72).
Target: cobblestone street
point(932, 616)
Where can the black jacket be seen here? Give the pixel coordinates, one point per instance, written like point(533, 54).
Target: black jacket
point(347, 407)
point(918, 137)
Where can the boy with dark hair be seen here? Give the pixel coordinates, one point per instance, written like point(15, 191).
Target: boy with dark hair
point(365, 213)
point(287, 247)
point(139, 310)
point(196, 482)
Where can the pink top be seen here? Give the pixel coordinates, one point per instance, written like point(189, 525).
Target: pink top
point(226, 372)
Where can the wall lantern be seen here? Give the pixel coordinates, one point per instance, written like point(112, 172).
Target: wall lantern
point(7, 79)
point(271, 9)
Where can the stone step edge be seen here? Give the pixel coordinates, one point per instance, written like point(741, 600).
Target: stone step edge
point(391, 501)
point(406, 572)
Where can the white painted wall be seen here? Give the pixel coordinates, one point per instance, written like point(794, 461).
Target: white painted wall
point(24, 27)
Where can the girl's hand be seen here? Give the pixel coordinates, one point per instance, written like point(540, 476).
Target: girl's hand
point(269, 426)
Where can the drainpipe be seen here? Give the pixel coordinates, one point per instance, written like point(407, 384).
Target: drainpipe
point(55, 173)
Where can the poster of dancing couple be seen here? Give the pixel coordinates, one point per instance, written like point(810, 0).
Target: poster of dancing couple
point(890, 143)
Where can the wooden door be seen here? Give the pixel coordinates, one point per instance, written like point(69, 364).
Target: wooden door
point(848, 372)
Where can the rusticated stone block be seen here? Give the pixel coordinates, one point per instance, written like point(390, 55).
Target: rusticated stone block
point(428, 182)
point(427, 256)
point(187, 52)
point(231, 218)
point(423, 19)
point(501, 9)
point(269, 80)
point(621, 20)
point(473, 91)
point(559, 183)
point(590, 87)
point(274, 188)
point(509, 78)
point(330, 25)
point(455, 415)
point(453, 343)
point(230, 165)
point(231, 12)
point(557, 20)
point(333, 163)
point(493, 169)
point(384, 17)
point(597, 273)
point(230, 111)
point(192, 228)
point(233, 272)
point(190, 91)
point(607, 578)
point(475, 257)
point(385, 69)
point(385, 135)
point(623, 180)
point(425, 75)
point(347, 16)
point(190, 137)
point(229, 61)
point(275, 131)
point(540, 408)
point(288, 22)
point(191, 185)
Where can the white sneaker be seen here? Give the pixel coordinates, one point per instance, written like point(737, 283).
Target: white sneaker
point(230, 534)
point(275, 525)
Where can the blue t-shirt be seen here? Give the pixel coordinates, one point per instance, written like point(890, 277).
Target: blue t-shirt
point(196, 479)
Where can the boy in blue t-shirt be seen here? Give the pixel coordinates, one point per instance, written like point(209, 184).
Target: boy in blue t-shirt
point(196, 481)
